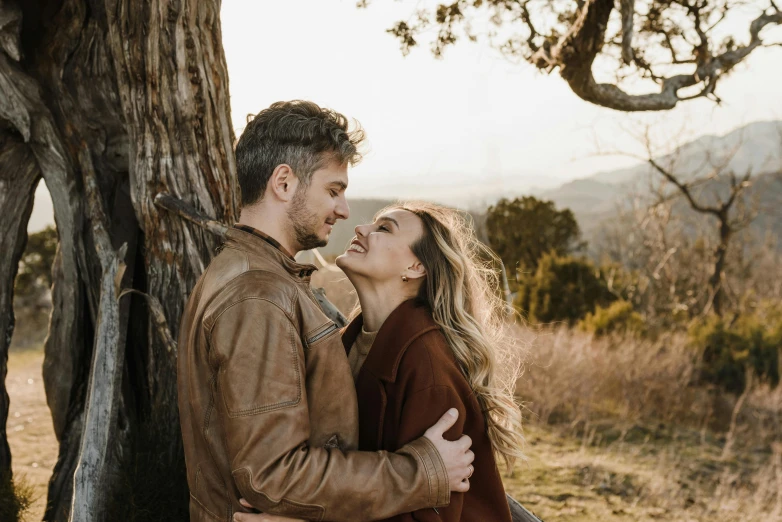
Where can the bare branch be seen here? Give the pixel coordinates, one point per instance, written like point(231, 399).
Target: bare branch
point(158, 318)
point(684, 188)
point(628, 12)
point(183, 210)
point(107, 363)
point(331, 311)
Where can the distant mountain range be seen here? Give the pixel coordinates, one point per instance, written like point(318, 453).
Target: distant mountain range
point(756, 147)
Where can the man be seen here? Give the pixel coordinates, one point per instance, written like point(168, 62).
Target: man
point(266, 398)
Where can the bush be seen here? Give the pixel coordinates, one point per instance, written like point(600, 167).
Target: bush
point(562, 289)
point(619, 317)
point(729, 350)
point(35, 267)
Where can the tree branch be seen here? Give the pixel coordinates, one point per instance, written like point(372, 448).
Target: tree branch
point(684, 188)
point(102, 403)
point(331, 311)
point(627, 8)
point(183, 210)
point(158, 317)
point(576, 51)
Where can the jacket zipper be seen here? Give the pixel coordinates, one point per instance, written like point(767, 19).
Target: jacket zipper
point(322, 334)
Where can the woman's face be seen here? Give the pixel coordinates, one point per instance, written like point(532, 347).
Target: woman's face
point(381, 250)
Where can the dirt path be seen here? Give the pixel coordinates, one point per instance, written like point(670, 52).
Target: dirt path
point(30, 431)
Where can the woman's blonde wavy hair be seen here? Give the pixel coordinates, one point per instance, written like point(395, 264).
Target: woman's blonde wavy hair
point(462, 291)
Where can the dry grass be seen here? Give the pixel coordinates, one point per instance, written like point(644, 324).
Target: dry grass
point(652, 479)
point(16, 497)
point(619, 430)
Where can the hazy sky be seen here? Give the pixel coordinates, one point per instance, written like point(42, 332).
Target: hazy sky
point(455, 129)
point(447, 128)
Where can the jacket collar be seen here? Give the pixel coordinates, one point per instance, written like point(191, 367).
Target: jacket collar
point(253, 244)
point(266, 237)
point(405, 324)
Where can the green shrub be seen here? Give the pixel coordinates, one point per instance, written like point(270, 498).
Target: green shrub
point(562, 289)
point(619, 317)
point(35, 266)
point(729, 350)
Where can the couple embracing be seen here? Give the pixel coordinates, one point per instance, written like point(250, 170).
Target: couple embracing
point(401, 415)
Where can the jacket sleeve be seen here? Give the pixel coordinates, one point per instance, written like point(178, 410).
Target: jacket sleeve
point(422, 409)
point(261, 381)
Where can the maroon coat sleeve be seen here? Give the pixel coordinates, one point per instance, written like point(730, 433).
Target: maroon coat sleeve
point(421, 410)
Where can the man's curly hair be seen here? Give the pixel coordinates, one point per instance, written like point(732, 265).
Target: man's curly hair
point(297, 133)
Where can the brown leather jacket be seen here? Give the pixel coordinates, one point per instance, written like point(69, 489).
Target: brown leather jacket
point(268, 407)
point(409, 376)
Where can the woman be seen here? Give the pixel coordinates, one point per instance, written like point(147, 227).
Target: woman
point(429, 338)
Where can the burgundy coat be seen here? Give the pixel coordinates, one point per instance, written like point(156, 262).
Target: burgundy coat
point(408, 380)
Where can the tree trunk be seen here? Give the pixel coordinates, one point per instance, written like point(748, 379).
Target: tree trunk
point(720, 255)
point(133, 98)
point(17, 186)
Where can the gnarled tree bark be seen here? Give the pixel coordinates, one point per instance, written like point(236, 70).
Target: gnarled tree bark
point(133, 96)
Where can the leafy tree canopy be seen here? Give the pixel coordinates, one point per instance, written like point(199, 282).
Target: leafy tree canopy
point(522, 230)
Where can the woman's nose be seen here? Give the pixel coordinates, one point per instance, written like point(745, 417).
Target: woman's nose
point(362, 230)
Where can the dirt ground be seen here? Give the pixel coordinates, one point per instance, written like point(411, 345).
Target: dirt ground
point(30, 431)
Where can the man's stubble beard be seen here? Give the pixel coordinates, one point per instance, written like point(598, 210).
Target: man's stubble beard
point(305, 223)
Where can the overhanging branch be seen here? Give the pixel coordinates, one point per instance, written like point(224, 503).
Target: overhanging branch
point(576, 52)
point(183, 210)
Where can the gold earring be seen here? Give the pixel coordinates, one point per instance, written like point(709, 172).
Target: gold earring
point(404, 279)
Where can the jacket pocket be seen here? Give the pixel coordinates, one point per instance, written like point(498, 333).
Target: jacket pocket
point(321, 333)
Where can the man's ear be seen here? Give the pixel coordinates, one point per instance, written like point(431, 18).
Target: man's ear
point(416, 270)
point(282, 183)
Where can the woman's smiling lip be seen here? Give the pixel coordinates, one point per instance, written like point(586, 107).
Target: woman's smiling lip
point(356, 246)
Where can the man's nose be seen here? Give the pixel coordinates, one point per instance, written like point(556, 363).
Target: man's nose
point(342, 210)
